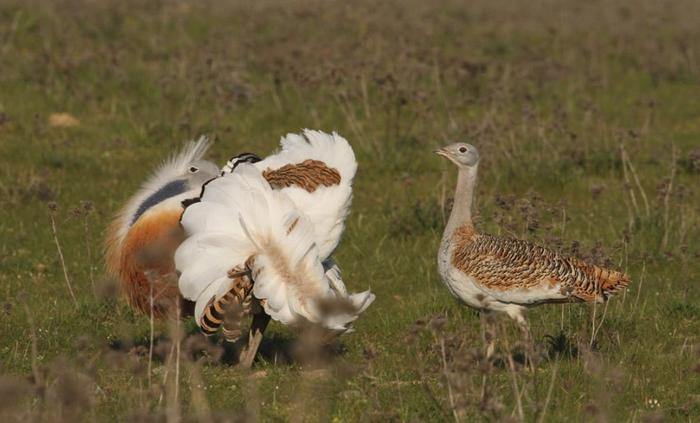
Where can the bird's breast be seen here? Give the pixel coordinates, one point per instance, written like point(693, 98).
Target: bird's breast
point(459, 284)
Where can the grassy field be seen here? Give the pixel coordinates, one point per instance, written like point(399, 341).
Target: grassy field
point(587, 116)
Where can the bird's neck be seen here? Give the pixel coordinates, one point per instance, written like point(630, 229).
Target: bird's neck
point(461, 214)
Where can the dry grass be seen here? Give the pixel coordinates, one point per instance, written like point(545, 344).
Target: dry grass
point(586, 116)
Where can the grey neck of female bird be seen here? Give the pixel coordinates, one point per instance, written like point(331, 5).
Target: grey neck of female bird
point(464, 196)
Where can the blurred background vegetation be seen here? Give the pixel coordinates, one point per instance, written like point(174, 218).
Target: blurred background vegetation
point(587, 116)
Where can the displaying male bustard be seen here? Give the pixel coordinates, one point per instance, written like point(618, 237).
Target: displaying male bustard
point(143, 236)
point(260, 238)
point(497, 273)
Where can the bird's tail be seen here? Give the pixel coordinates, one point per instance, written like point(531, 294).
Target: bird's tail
point(288, 276)
point(611, 282)
point(598, 284)
point(343, 308)
point(241, 217)
point(287, 272)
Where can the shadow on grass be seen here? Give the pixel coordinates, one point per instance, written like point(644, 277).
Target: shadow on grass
point(277, 349)
point(288, 350)
point(560, 346)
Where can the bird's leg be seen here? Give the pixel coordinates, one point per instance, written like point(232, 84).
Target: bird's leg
point(255, 336)
point(257, 326)
point(527, 334)
point(489, 340)
point(487, 334)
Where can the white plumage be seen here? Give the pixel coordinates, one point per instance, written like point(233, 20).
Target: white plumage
point(281, 218)
point(326, 207)
point(356, 304)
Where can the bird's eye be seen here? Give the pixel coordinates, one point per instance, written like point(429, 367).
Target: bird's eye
point(194, 169)
point(462, 149)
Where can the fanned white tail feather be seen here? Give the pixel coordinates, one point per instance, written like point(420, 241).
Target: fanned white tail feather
point(287, 273)
point(240, 216)
point(326, 207)
point(346, 308)
point(284, 235)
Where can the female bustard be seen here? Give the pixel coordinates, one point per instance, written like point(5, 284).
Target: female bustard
point(496, 273)
point(260, 239)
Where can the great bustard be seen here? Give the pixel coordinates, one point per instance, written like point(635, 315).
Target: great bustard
point(142, 238)
point(259, 241)
point(496, 273)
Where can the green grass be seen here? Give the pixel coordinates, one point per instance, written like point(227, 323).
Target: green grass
point(549, 92)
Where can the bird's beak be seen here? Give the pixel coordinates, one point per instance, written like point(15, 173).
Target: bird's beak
point(441, 152)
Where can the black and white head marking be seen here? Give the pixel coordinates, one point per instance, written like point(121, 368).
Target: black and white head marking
point(236, 160)
point(196, 174)
point(171, 189)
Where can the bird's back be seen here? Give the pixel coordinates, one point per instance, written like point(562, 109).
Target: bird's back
point(517, 271)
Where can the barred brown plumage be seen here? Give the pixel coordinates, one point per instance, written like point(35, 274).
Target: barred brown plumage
point(308, 175)
point(504, 274)
point(503, 263)
point(230, 312)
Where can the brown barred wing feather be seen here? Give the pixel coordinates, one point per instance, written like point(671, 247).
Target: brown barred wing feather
point(308, 175)
point(517, 271)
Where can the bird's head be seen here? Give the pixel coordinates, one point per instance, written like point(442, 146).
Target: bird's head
point(200, 171)
point(461, 154)
point(236, 160)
